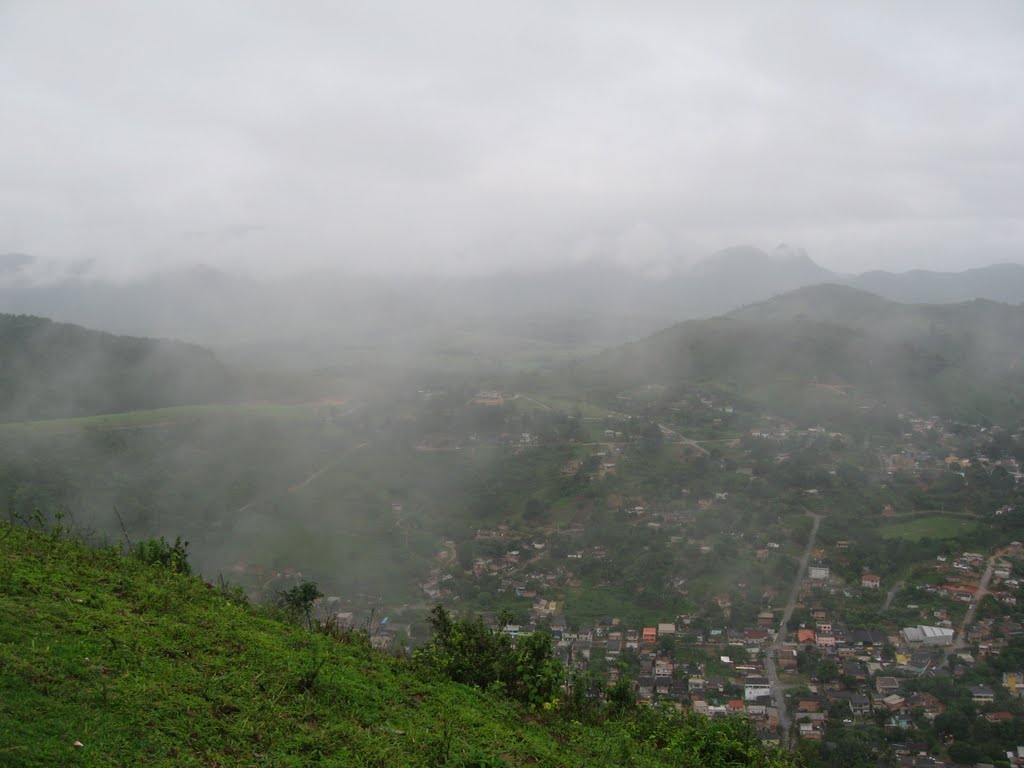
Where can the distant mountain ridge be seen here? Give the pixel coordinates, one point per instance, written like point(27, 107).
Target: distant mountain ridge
point(998, 282)
point(597, 302)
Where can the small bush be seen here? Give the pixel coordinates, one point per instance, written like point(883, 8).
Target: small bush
point(173, 557)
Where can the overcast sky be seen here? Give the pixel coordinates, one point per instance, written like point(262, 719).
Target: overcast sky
point(469, 136)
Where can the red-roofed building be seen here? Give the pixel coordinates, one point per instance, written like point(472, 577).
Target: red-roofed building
point(650, 635)
point(960, 592)
point(871, 581)
point(805, 636)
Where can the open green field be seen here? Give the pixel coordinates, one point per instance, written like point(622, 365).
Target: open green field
point(930, 526)
point(594, 603)
point(589, 410)
point(170, 415)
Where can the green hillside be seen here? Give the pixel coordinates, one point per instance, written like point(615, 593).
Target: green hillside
point(143, 666)
point(959, 360)
point(57, 370)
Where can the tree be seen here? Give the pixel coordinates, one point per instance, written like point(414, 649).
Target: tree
point(621, 697)
point(827, 671)
point(538, 675)
point(299, 600)
point(173, 557)
point(467, 651)
point(651, 439)
point(731, 741)
point(965, 753)
point(953, 724)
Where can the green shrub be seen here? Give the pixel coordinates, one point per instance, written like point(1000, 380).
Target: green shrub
point(173, 557)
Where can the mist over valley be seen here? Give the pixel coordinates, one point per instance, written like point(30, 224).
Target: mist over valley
point(543, 384)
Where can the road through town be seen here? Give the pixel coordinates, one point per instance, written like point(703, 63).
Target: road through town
point(778, 696)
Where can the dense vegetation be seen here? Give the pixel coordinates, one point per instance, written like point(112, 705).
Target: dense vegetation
point(108, 660)
point(53, 370)
point(960, 360)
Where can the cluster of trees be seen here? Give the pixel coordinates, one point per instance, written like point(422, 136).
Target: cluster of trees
point(467, 651)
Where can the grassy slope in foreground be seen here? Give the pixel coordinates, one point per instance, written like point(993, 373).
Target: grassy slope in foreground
point(147, 667)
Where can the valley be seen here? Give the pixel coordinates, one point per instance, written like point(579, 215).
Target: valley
point(736, 515)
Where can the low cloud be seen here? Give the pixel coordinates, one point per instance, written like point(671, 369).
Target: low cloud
point(460, 138)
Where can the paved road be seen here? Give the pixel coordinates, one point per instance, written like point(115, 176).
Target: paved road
point(959, 641)
point(545, 406)
point(801, 573)
point(773, 678)
point(668, 431)
point(778, 695)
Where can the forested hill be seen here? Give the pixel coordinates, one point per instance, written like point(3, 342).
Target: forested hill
point(55, 370)
point(962, 360)
point(108, 660)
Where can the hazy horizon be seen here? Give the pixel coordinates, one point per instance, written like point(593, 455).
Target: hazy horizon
point(470, 139)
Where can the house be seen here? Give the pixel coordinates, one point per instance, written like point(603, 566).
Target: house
point(886, 685)
point(871, 581)
point(818, 572)
point(649, 636)
point(787, 660)
point(963, 593)
point(666, 629)
point(895, 703)
point(981, 694)
point(825, 640)
point(756, 635)
point(1014, 683)
point(645, 686)
point(582, 648)
point(999, 717)
point(813, 731)
point(756, 710)
point(860, 704)
point(855, 670)
point(809, 704)
point(865, 638)
point(927, 702)
point(755, 687)
point(805, 636)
